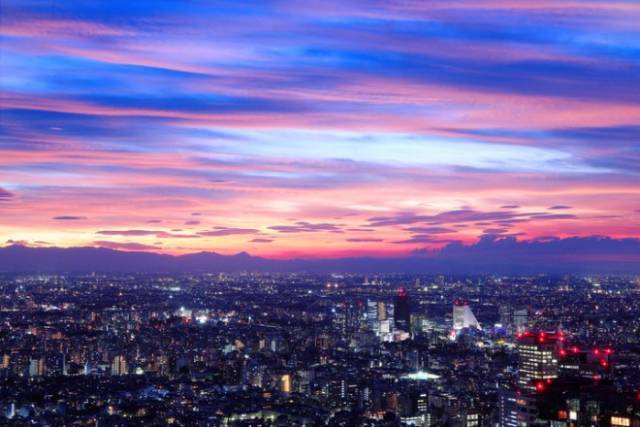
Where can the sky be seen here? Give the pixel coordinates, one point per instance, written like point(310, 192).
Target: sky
point(317, 128)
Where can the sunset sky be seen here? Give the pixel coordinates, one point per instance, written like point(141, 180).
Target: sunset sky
point(317, 128)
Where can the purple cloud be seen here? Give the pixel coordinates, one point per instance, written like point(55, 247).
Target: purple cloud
point(559, 207)
point(129, 246)
point(157, 233)
point(495, 230)
point(431, 230)
point(364, 239)
point(306, 227)
point(421, 238)
point(5, 195)
point(128, 232)
point(192, 222)
point(261, 240)
point(69, 218)
point(226, 231)
point(543, 216)
point(164, 235)
point(479, 218)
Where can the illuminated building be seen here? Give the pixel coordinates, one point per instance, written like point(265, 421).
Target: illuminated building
point(463, 317)
point(6, 360)
point(285, 383)
point(119, 366)
point(537, 359)
point(515, 320)
point(37, 367)
point(516, 409)
point(620, 421)
point(591, 364)
point(378, 312)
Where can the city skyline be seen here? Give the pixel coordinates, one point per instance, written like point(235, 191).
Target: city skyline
point(321, 129)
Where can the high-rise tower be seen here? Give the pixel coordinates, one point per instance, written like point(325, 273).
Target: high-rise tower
point(402, 311)
point(537, 359)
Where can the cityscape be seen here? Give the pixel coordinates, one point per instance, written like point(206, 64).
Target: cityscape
point(320, 213)
point(308, 350)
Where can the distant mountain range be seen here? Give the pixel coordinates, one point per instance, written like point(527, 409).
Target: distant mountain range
point(490, 255)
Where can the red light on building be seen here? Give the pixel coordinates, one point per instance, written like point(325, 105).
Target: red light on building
point(563, 353)
point(596, 351)
point(540, 387)
point(604, 363)
point(575, 349)
point(608, 350)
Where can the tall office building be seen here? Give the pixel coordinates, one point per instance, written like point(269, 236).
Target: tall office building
point(537, 359)
point(285, 383)
point(377, 312)
point(6, 361)
point(37, 367)
point(119, 366)
point(516, 409)
point(514, 319)
point(372, 311)
point(402, 311)
point(463, 317)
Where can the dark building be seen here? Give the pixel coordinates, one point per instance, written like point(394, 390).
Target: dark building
point(402, 311)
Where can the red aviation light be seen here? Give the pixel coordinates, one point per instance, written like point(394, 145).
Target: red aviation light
point(608, 350)
point(540, 387)
point(402, 292)
point(604, 363)
point(596, 351)
point(575, 349)
point(563, 353)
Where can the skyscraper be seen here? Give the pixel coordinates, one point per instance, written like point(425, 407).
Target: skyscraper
point(402, 311)
point(513, 319)
point(516, 409)
point(37, 367)
point(119, 366)
point(537, 359)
